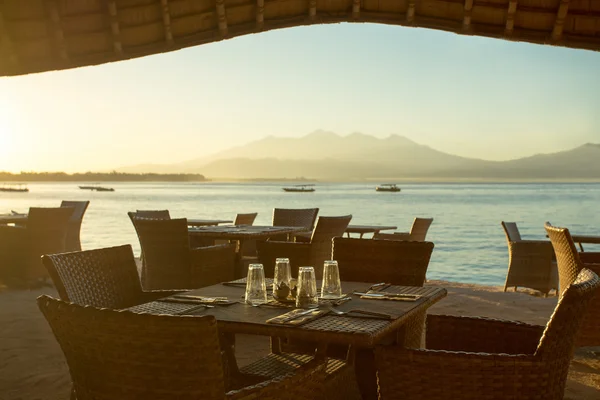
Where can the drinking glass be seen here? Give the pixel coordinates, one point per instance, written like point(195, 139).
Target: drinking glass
point(282, 278)
point(307, 288)
point(256, 288)
point(331, 287)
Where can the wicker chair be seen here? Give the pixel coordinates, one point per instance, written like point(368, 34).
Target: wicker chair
point(154, 214)
point(570, 264)
point(302, 217)
point(22, 247)
point(170, 262)
point(478, 358)
point(530, 262)
point(74, 232)
point(245, 219)
point(397, 262)
point(106, 278)
point(122, 355)
point(313, 253)
point(417, 233)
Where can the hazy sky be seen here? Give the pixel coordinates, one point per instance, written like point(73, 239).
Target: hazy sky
point(469, 96)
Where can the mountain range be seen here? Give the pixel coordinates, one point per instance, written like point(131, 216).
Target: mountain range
point(327, 155)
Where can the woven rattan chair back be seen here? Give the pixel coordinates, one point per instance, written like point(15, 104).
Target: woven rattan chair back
point(567, 257)
point(47, 230)
point(564, 326)
point(74, 232)
point(303, 217)
point(154, 214)
point(122, 355)
point(401, 263)
point(166, 251)
point(104, 278)
point(569, 266)
point(511, 231)
point(420, 226)
point(245, 219)
point(321, 240)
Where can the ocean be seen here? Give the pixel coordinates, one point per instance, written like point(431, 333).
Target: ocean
point(469, 242)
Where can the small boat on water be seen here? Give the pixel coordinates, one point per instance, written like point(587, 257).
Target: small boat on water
point(387, 187)
point(97, 188)
point(14, 188)
point(299, 188)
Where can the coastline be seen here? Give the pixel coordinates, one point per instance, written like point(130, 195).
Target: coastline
point(33, 366)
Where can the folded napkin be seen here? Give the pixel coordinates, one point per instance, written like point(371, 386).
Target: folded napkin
point(297, 317)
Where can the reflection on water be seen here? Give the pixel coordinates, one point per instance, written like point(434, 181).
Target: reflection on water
point(469, 241)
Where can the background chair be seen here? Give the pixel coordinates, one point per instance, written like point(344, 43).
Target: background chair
point(21, 247)
point(106, 278)
point(126, 352)
point(402, 263)
point(74, 232)
point(313, 253)
point(417, 233)
point(530, 262)
point(570, 266)
point(170, 262)
point(245, 219)
point(300, 217)
point(478, 358)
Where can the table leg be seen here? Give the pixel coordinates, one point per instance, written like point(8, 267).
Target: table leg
point(581, 247)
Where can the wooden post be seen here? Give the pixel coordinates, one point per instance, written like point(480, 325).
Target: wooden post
point(467, 15)
point(7, 44)
point(114, 26)
point(57, 31)
point(561, 15)
point(356, 9)
point(312, 10)
point(510, 17)
point(222, 17)
point(260, 14)
point(167, 22)
point(410, 13)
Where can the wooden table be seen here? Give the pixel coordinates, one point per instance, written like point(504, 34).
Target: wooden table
point(362, 229)
point(207, 222)
point(361, 333)
point(242, 233)
point(12, 218)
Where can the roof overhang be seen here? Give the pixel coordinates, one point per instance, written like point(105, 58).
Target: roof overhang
point(45, 35)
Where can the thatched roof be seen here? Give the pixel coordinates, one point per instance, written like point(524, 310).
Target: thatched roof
point(43, 35)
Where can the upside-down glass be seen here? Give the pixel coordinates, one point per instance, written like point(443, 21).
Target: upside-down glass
point(331, 287)
point(306, 296)
point(281, 279)
point(256, 288)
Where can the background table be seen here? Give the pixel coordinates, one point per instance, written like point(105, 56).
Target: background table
point(207, 222)
point(361, 333)
point(362, 229)
point(590, 239)
point(12, 218)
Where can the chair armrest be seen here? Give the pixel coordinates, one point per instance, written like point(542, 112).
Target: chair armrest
point(435, 374)
point(407, 234)
point(302, 237)
point(213, 264)
point(532, 247)
point(302, 383)
point(588, 257)
point(595, 267)
point(481, 335)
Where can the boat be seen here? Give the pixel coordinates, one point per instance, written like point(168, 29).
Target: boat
point(387, 187)
point(299, 188)
point(97, 188)
point(14, 188)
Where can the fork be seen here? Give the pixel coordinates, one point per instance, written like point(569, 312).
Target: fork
point(367, 314)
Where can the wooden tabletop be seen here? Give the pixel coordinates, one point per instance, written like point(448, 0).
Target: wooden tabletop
point(207, 222)
point(12, 218)
point(241, 232)
point(586, 239)
point(362, 229)
point(344, 330)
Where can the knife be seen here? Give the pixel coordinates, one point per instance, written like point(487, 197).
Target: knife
point(412, 296)
point(300, 314)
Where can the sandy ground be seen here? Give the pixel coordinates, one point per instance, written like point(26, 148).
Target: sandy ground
point(32, 365)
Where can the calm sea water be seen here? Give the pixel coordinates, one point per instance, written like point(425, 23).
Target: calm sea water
point(469, 241)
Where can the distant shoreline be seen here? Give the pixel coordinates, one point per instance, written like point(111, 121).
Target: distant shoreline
point(25, 177)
